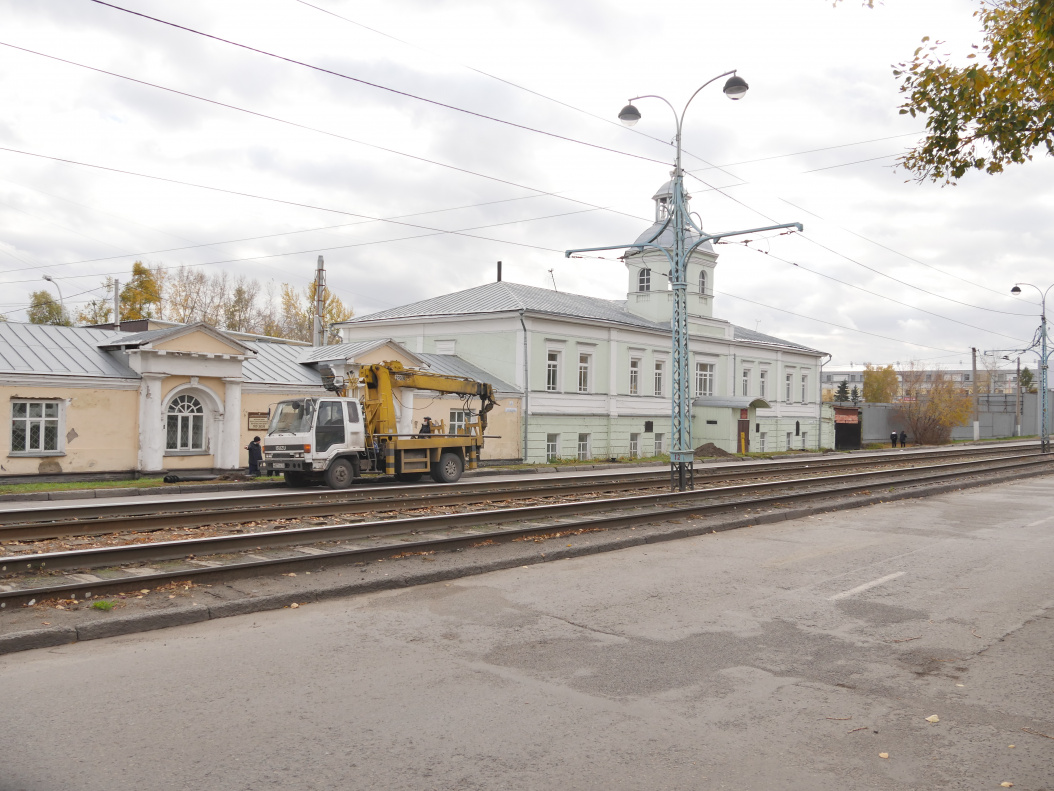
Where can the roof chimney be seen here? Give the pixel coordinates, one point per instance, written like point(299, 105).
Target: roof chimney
point(499, 271)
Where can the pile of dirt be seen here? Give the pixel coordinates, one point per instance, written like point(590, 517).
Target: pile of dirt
point(710, 450)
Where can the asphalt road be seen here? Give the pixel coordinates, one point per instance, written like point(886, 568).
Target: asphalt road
point(786, 656)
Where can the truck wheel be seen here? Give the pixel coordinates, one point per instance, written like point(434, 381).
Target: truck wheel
point(448, 469)
point(408, 477)
point(295, 479)
point(340, 474)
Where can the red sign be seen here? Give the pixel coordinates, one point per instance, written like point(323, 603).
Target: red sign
point(743, 415)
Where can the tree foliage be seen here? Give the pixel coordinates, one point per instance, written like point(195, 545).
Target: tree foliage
point(141, 295)
point(931, 409)
point(240, 304)
point(45, 309)
point(100, 309)
point(880, 384)
point(854, 395)
point(842, 393)
point(1027, 380)
point(993, 111)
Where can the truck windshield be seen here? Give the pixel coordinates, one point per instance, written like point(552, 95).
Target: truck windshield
point(292, 417)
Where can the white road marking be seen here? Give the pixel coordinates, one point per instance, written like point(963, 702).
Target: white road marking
point(1041, 521)
point(866, 586)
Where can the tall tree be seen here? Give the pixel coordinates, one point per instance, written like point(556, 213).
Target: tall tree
point(45, 309)
point(854, 395)
point(994, 110)
point(298, 311)
point(842, 393)
point(141, 295)
point(880, 384)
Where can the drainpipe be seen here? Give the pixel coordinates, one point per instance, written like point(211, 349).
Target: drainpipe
point(526, 385)
point(819, 421)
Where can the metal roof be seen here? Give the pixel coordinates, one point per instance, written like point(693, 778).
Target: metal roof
point(504, 297)
point(452, 365)
point(278, 363)
point(753, 336)
point(64, 351)
point(349, 351)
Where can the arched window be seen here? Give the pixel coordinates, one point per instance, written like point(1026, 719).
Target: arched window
point(702, 282)
point(186, 424)
point(644, 280)
point(797, 428)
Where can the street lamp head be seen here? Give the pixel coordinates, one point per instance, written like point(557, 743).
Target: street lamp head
point(736, 87)
point(1015, 290)
point(48, 278)
point(629, 115)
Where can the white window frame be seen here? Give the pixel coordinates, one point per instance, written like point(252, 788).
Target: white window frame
point(634, 446)
point(634, 375)
point(745, 382)
point(459, 420)
point(704, 379)
point(805, 388)
point(790, 387)
point(644, 280)
point(702, 282)
point(659, 378)
point(659, 437)
point(552, 447)
point(585, 378)
point(763, 376)
point(761, 441)
point(790, 440)
point(583, 447)
point(552, 370)
point(190, 419)
point(41, 422)
point(804, 440)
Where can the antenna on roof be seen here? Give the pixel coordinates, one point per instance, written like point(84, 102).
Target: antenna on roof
point(554, 281)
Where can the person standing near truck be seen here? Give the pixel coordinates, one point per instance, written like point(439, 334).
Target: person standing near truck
point(255, 456)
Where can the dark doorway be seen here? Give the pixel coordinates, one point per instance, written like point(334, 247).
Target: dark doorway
point(743, 441)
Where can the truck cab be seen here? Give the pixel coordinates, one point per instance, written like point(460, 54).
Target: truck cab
point(307, 438)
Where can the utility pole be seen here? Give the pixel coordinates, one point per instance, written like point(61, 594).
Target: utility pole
point(116, 304)
point(320, 303)
point(973, 389)
point(1017, 401)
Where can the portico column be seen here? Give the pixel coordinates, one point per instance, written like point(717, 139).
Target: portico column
point(228, 454)
point(151, 456)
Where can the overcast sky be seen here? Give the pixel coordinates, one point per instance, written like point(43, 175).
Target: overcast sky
point(925, 270)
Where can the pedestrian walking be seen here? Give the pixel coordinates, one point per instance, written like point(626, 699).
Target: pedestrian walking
point(893, 439)
point(903, 439)
point(255, 456)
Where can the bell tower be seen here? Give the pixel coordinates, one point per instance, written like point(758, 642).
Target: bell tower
point(648, 292)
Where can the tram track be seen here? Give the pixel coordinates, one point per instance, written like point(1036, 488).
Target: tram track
point(94, 519)
point(26, 578)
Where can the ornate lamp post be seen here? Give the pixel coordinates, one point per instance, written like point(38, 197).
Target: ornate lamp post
point(682, 454)
point(1044, 440)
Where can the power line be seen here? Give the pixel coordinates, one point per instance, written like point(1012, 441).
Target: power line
point(378, 86)
point(301, 126)
point(272, 200)
point(271, 235)
point(809, 151)
point(859, 263)
point(832, 324)
point(895, 252)
point(873, 293)
point(349, 246)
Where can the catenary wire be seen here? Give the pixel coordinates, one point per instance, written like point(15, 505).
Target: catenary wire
point(278, 200)
point(367, 83)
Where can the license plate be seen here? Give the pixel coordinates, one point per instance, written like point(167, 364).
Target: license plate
point(278, 465)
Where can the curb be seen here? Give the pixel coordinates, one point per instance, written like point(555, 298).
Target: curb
point(179, 616)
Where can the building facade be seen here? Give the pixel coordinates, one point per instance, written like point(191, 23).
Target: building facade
point(594, 374)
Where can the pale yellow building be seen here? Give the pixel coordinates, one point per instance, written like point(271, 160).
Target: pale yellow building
point(180, 397)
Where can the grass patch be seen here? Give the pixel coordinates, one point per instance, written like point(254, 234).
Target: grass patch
point(102, 604)
point(62, 486)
